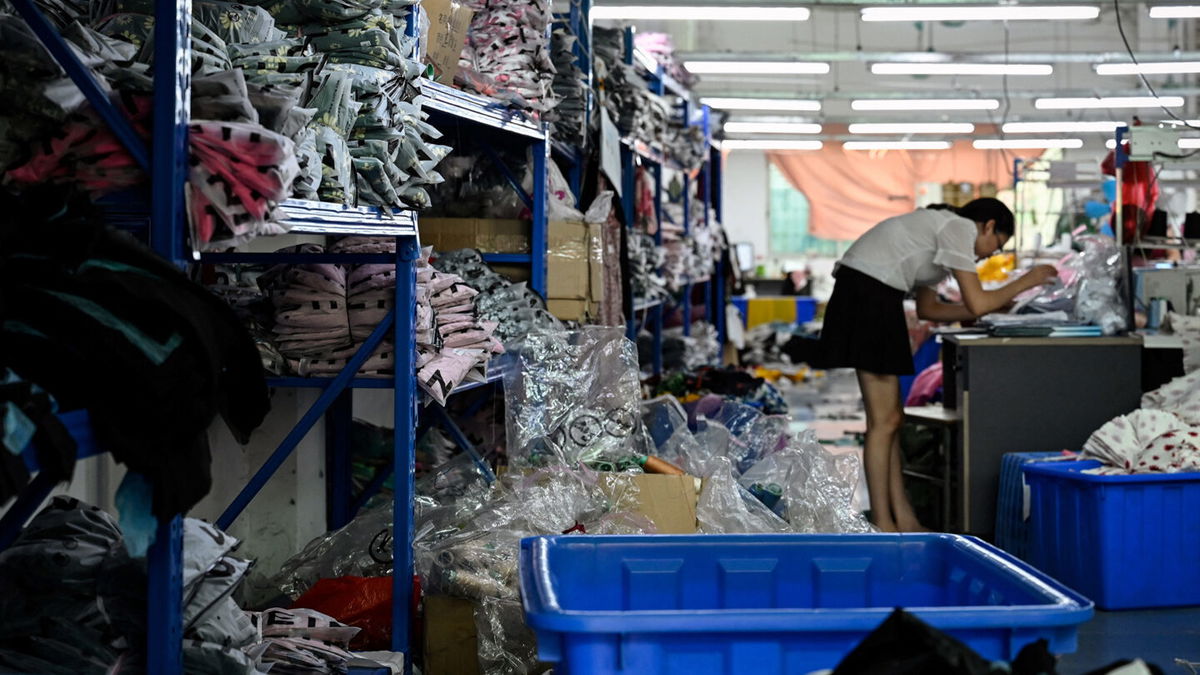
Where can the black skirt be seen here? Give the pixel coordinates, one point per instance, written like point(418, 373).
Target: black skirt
point(865, 327)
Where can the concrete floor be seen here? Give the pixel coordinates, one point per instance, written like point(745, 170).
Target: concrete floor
point(1155, 636)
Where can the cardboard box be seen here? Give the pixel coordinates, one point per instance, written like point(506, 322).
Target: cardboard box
point(570, 310)
point(487, 235)
point(668, 501)
point(449, 23)
point(451, 643)
point(567, 262)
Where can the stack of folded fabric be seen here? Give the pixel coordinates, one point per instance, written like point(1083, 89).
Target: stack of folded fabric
point(301, 641)
point(507, 55)
point(458, 345)
point(571, 89)
point(514, 308)
point(623, 92)
point(1145, 441)
point(645, 259)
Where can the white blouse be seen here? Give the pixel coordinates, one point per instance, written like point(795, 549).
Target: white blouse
point(915, 249)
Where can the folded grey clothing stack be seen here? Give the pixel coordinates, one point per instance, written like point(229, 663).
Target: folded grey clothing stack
point(73, 599)
point(514, 308)
point(645, 260)
point(571, 88)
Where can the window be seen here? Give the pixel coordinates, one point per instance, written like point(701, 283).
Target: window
point(788, 224)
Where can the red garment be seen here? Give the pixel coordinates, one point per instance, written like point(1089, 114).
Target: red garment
point(1139, 192)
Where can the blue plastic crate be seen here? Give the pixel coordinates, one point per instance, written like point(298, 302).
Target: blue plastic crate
point(806, 308)
point(1127, 542)
point(1013, 531)
point(767, 604)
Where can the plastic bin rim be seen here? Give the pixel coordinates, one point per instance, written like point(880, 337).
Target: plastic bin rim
point(1072, 470)
point(1063, 607)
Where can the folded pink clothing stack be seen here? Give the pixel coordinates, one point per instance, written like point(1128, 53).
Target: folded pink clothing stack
point(453, 345)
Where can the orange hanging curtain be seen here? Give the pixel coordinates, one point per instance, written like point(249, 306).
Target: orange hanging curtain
point(850, 191)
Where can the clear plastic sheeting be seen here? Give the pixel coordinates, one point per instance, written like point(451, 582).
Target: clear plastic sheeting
point(725, 507)
point(574, 399)
point(506, 645)
point(808, 486)
point(1088, 287)
point(363, 548)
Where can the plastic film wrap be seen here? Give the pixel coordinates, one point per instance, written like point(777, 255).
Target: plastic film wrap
point(506, 645)
point(725, 507)
point(808, 486)
point(573, 399)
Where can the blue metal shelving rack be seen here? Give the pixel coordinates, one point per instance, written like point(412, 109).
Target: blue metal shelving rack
point(636, 153)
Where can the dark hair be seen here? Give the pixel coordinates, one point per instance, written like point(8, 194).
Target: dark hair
point(982, 210)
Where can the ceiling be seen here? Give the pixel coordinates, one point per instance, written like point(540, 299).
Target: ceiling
point(835, 34)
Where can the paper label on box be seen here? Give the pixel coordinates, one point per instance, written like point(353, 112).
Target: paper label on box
point(448, 26)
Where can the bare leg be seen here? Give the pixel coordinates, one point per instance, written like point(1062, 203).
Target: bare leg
point(881, 398)
point(902, 510)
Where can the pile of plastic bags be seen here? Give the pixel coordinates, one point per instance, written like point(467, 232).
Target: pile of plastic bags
point(507, 55)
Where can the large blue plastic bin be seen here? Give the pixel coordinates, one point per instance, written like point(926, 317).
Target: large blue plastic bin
point(775, 604)
point(1124, 541)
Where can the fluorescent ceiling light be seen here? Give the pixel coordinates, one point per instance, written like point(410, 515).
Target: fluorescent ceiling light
point(983, 13)
point(761, 104)
point(728, 144)
point(1027, 144)
point(1108, 102)
point(757, 67)
point(896, 145)
point(1175, 12)
point(914, 128)
point(771, 128)
point(925, 104)
point(1184, 143)
point(1061, 127)
point(962, 69)
point(1155, 68)
point(699, 13)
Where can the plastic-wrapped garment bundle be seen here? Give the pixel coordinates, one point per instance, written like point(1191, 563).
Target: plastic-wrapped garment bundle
point(645, 259)
point(816, 487)
point(508, 53)
point(726, 507)
point(474, 187)
point(74, 600)
point(241, 172)
point(686, 144)
point(1088, 287)
point(571, 88)
point(573, 399)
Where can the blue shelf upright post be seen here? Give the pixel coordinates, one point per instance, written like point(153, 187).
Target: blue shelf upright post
point(404, 438)
point(168, 225)
point(656, 312)
point(686, 305)
point(164, 599)
point(541, 203)
point(339, 482)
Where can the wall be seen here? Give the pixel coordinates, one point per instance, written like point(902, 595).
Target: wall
point(745, 195)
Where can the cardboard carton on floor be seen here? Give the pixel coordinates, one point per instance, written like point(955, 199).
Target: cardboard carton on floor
point(451, 640)
point(574, 270)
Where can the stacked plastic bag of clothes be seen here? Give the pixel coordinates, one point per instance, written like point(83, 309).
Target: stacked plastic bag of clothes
point(515, 308)
point(571, 89)
point(455, 345)
point(508, 55)
point(661, 48)
point(1088, 287)
point(242, 167)
point(623, 92)
point(645, 260)
point(320, 94)
point(73, 601)
point(475, 187)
